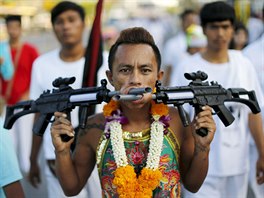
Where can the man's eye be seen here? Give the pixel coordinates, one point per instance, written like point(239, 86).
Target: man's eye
point(58, 22)
point(146, 71)
point(213, 27)
point(125, 70)
point(72, 19)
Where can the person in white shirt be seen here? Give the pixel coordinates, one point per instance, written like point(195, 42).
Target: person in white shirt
point(255, 52)
point(196, 42)
point(175, 48)
point(228, 171)
point(68, 24)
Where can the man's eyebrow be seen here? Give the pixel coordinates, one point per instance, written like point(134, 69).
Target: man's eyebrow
point(147, 65)
point(124, 65)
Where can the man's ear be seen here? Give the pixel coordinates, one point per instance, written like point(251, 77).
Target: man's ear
point(160, 75)
point(109, 76)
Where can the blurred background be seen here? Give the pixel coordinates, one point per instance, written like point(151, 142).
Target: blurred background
point(161, 18)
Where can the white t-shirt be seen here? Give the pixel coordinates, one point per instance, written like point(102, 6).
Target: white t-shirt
point(173, 49)
point(229, 149)
point(46, 69)
point(255, 53)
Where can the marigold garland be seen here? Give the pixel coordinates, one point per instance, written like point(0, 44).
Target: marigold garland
point(125, 178)
point(159, 109)
point(110, 107)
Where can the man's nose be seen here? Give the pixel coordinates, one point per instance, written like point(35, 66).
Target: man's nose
point(221, 31)
point(135, 78)
point(66, 25)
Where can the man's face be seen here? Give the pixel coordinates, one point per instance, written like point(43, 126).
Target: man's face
point(134, 66)
point(14, 29)
point(68, 27)
point(189, 20)
point(219, 34)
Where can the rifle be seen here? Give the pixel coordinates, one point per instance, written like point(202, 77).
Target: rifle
point(198, 94)
point(62, 99)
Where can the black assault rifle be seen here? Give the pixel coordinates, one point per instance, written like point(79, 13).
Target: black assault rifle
point(63, 99)
point(198, 94)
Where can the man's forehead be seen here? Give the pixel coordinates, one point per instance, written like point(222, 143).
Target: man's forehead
point(134, 51)
point(69, 12)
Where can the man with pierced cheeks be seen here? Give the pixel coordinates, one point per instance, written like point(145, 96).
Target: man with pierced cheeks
point(141, 148)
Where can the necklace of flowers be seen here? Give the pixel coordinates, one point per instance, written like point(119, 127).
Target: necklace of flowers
point(125, 178)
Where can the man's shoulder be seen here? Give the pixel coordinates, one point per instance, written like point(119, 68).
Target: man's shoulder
point(48, 56)
point(254, 47)
point(235, 53)
point(238, 58)
point(29, 46)
point(96, 121)
point(93, 130)
point(191, 60)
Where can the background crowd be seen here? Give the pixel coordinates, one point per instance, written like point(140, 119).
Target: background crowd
point(27, 59)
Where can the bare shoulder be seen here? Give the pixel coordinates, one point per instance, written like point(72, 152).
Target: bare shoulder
point(93, 131)
point(176, 124)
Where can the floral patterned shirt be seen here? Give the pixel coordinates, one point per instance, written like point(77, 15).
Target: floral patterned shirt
point(137, 145)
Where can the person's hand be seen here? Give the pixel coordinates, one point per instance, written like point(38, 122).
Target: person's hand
point(34, 174)
point(260, 170)
point(61, 126)
point(204, 120)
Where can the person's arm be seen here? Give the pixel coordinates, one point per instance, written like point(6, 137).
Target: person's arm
point(195, 151)
point(34, 171)
point(14, 190)
point(72, 172)
point(256, 129)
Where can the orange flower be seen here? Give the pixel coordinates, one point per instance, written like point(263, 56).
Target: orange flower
point(159, 109)
point(128, 185)
point(125, 180)
point(110, 107)
point(150, 178)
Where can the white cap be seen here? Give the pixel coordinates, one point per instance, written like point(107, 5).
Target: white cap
point(195, 36)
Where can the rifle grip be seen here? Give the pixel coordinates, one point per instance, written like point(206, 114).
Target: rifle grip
point(202, 131)
point(183, 116)
point(224, 114)
point(41, 124)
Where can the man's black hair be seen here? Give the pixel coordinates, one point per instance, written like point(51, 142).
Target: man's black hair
point(135, 35)
point(217, 11)
point(65, 6)
point(13, 18)
point(187, 12)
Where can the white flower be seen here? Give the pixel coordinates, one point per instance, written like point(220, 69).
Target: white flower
point(100, 151)
point(155, 146)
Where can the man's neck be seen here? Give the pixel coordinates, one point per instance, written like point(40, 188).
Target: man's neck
point(138, 120)
point(14, 43)
point(216, 56)
point(72, 53)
